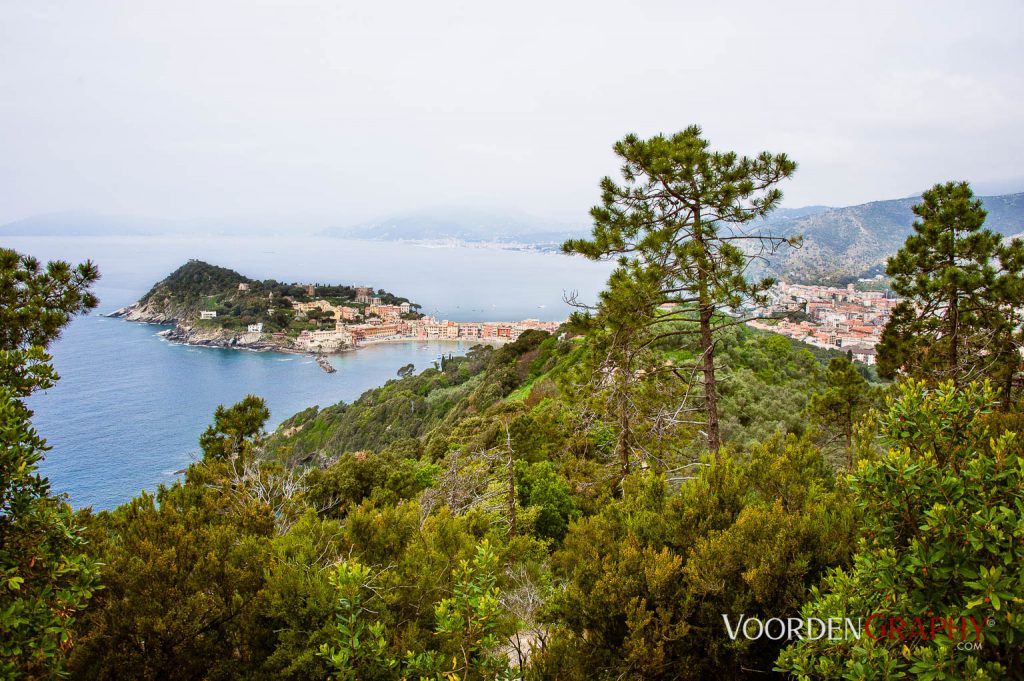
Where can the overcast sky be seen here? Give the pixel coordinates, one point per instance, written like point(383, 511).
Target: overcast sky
point(337, 111)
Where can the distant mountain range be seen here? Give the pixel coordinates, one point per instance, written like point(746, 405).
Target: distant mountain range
point(96, 225)
point(82, 224)
point(472, 225)
point(841, 244)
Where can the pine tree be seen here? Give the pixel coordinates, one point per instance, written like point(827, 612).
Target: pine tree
point(845, 399)
point(680, 227)
point(961, 283)
point(45, 576)
point(235, 430)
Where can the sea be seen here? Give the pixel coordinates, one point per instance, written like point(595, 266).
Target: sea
point(128, 410)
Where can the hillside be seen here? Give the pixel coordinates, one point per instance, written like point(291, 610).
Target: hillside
point(428, 414)
point(843, 243)
point(237, 302)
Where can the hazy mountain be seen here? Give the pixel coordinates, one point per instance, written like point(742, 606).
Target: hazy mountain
point(842, 243)
point(784, 214)
point(82, 224)
point(462, 224)
point(839, 244)
point(95, 225)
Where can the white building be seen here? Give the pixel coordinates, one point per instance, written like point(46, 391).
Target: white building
point(324, 340)
point(207, 314)
point(256, 328)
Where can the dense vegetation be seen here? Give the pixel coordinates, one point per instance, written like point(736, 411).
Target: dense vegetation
point(197, 285)
point(551, 509)
point(45, 576)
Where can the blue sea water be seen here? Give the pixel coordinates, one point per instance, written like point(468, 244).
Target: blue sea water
point(129, 407)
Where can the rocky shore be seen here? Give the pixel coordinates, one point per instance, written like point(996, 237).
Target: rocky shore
point(204, 337)
point(226, 339)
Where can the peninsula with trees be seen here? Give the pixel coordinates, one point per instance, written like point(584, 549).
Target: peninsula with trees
point(218, 307)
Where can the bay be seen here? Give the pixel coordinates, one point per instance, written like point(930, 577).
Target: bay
point(129, 408)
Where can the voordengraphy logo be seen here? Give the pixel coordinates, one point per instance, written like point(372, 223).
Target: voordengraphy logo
point(876, 627)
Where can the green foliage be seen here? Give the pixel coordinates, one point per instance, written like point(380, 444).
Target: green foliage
point(36, 302)
point(941, 538)
point(299, 600)
point(355, 476)
point(426, 406)
point(472, 621)
point(45, 577)
point(844, 401)
point(768, 380)
point(235, 430)
point(540, 487)
point(677, 229)
point(649, 576)
point(963, 287)
point(360, 650)
point(183, 580)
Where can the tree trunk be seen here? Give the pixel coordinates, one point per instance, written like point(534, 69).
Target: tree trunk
point(707, 342)
point(954, 332)
point(710, 387)
point(511, 472)
point(849, 438)
point(511, 496)
point(624, 424)
point(1008, 389)
point(953, 318)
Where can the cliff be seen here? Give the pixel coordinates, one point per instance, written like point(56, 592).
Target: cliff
point(221, 338)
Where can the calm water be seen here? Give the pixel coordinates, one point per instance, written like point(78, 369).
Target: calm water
point(129, 407)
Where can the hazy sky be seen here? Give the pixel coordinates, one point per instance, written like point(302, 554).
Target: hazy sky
point(337, 111)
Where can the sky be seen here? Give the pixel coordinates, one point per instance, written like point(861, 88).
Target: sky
point(332, 112)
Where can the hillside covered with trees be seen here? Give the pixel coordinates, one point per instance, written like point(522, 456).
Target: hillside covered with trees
point(648, 494)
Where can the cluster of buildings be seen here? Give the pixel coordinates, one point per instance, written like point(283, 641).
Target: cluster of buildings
point(426, 328)
point(836, 318)
point(346, 313)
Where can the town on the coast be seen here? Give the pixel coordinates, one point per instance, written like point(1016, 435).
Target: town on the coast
point(828, 317)
point(382, 323)
point(370, 320)
point(218, 307)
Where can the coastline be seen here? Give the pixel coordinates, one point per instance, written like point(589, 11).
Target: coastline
point(417, 339)
point(181, 335)
point(169, 336)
